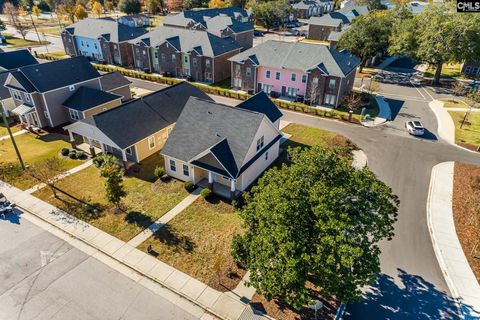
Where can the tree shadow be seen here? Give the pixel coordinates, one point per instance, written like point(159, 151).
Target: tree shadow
point(171, 238)
point(415, 298)
point(139, 219)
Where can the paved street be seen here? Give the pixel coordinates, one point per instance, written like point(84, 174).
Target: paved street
point(44, 277)
point(411, 284)
point(55, 42)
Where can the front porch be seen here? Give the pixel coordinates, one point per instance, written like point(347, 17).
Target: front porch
point(220, 189)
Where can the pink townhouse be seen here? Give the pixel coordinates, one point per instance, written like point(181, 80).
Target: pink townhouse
point(310, 73)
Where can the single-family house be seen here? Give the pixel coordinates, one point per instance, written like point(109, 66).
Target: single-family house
point(103, 40)
point(195, 54)
point(305, 9)
point(135, 20)
point(41, 91)
point(236, 23)
point(114, 82)
point(10, 61)
point(320, 28)
point(312, 73)
point(471, 68)
point(224, 147)
point(139, 128)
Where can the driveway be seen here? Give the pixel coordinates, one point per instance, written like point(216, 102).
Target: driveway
point(44, 277)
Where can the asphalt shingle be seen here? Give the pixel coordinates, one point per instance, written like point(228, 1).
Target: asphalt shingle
point(86, 98)
point(16, 59)
point(110, 29)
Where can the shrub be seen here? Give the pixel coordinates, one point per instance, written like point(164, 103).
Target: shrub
point(159, 171)
point(206, 193)
point(80, 154)
point(97, 161)
point(72, 154)
point(189, 186)
point(65, 152)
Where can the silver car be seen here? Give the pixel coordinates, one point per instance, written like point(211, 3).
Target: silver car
point(415, 128)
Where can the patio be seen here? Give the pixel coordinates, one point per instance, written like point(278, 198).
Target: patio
point(219, 189)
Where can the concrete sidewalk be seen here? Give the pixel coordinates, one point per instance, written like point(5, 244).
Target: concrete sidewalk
point(459, 276)
point(446, 127)
point(219, 304)
point(13, 134)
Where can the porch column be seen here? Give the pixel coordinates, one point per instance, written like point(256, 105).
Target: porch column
point(232, 189)
point(193, 175)
point(92, 149)
point(27, 118)
point(124, 158)
point(210, 180)
point(72, 140)
point(103, 147)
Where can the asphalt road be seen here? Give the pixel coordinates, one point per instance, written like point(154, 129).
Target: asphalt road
point(411, 284)
point(43, 277)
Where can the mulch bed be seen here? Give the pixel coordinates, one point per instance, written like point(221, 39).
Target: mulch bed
point(230, 277)
point(466, 212)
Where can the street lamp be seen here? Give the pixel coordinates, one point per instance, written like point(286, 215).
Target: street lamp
point(317, 305)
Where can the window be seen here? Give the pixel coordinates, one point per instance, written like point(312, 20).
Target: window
point(163, 57)
point(291, 92)
point(207, 63)
point(71, 88)
point(330, 99)
point(267, 74)
point(208, 76)
point(151, 142)
point(294, 77)
point(331, 84)
point(304, 78)
point(248, 71)
point(27, 97)
point(95, 45)
point(74, 114)
point(315, 80)
point(260, 143)
point(468, 69)
point(266, 156)
point(155, 54)
point(174, 57)
point(17, 95)
point(474, 70)
point(185, 58)
point(144, 52)
point(267, 88)
point(88, 45)
point(45, 113)
point(129, 151)
point(186, 172)
point(82, 43)
point(173, 166)
point(194, 61)
point(277, 75)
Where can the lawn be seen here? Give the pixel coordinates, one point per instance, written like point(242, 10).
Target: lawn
point(454, 103)
point(198, 240)
point(448, 71)
point(19, 42)
point(469, 135)
point(54, 31)
point(33, 149)
point(145, 201)
point(4, 131)
point(307, 136)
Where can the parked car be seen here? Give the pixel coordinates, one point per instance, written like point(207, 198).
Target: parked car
point(257, 33)
point(293, 32)
point(291, 24)
point(415, 128)
point(299, 24)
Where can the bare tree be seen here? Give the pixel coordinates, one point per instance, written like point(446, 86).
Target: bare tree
point(21, 27)
point(458, 89)
point(353, 101)
point(11, 11)
point(313, 92)
point(47, 171)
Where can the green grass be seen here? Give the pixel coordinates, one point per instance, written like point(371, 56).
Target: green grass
point(197, 239)
point(33, 149)
point(4, 131)
point(19, 42)
point(469, 135)
point(454, 103)
point(54, 31)
point(145, 201)
point(315, 41)
point(448, 71)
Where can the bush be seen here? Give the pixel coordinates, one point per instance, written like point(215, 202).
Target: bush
point(159, 171)
point(206, 193)
point(80, 154)
point(189, 186)
point(97, 161)
point(72, 154)
point(65, 152)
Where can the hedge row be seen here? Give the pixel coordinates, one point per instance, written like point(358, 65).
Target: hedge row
point(294, 106)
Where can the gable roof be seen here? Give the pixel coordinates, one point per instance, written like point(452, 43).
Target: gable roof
point(113, 80)
point(263, 104)
point(16, 59)
point(222, 22)
point(332, 19)
point(140, 118)
point(4, 92)
point(300, 56)
point(186, 40)
point(55, 74)
point(109, 29)
point(214, 136)
point(354, 10)
point(86, 98)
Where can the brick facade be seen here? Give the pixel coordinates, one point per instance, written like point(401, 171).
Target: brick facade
point(319, 32)
point(241, 79)
point(69, 44)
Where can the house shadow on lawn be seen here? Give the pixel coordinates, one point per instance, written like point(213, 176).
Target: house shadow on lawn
point(415, 298)
point(168, 236)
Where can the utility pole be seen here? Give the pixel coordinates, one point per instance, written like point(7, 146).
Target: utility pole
point(4, 116)
point(35, 27)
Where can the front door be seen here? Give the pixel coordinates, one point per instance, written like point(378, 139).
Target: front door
point(34, 119)
point(284, 91)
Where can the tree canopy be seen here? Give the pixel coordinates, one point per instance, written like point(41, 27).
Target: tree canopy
point(318, 220)
point(129, 6)
point(272, 12)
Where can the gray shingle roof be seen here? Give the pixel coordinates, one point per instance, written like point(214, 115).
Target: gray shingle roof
point(16, 59)
point(186, 40)
point(109, 29)
point(207, 127)
point(263, 104)
point(86, 98)
point(113, 80)
point(55, 74)
point(332, 19)
point(354, 9)
point(300, 56)
point(4, 92)
point(140, 118)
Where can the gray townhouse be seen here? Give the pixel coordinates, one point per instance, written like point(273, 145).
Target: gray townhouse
point(236, 23)
point(103, 40)
point(305, 9)
point(194, 54)
point(58, 92)
point(296, 71)
point(331, 25)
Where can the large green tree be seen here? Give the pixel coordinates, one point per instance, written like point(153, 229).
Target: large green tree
point(129, 6)
point(270, 13)
point(318, 220)
point(437, 36)
point(368, 35)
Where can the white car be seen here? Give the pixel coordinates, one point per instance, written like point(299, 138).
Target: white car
point(415, 128)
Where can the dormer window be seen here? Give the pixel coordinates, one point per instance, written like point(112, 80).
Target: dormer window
point(17, 95)
point(260, 143)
